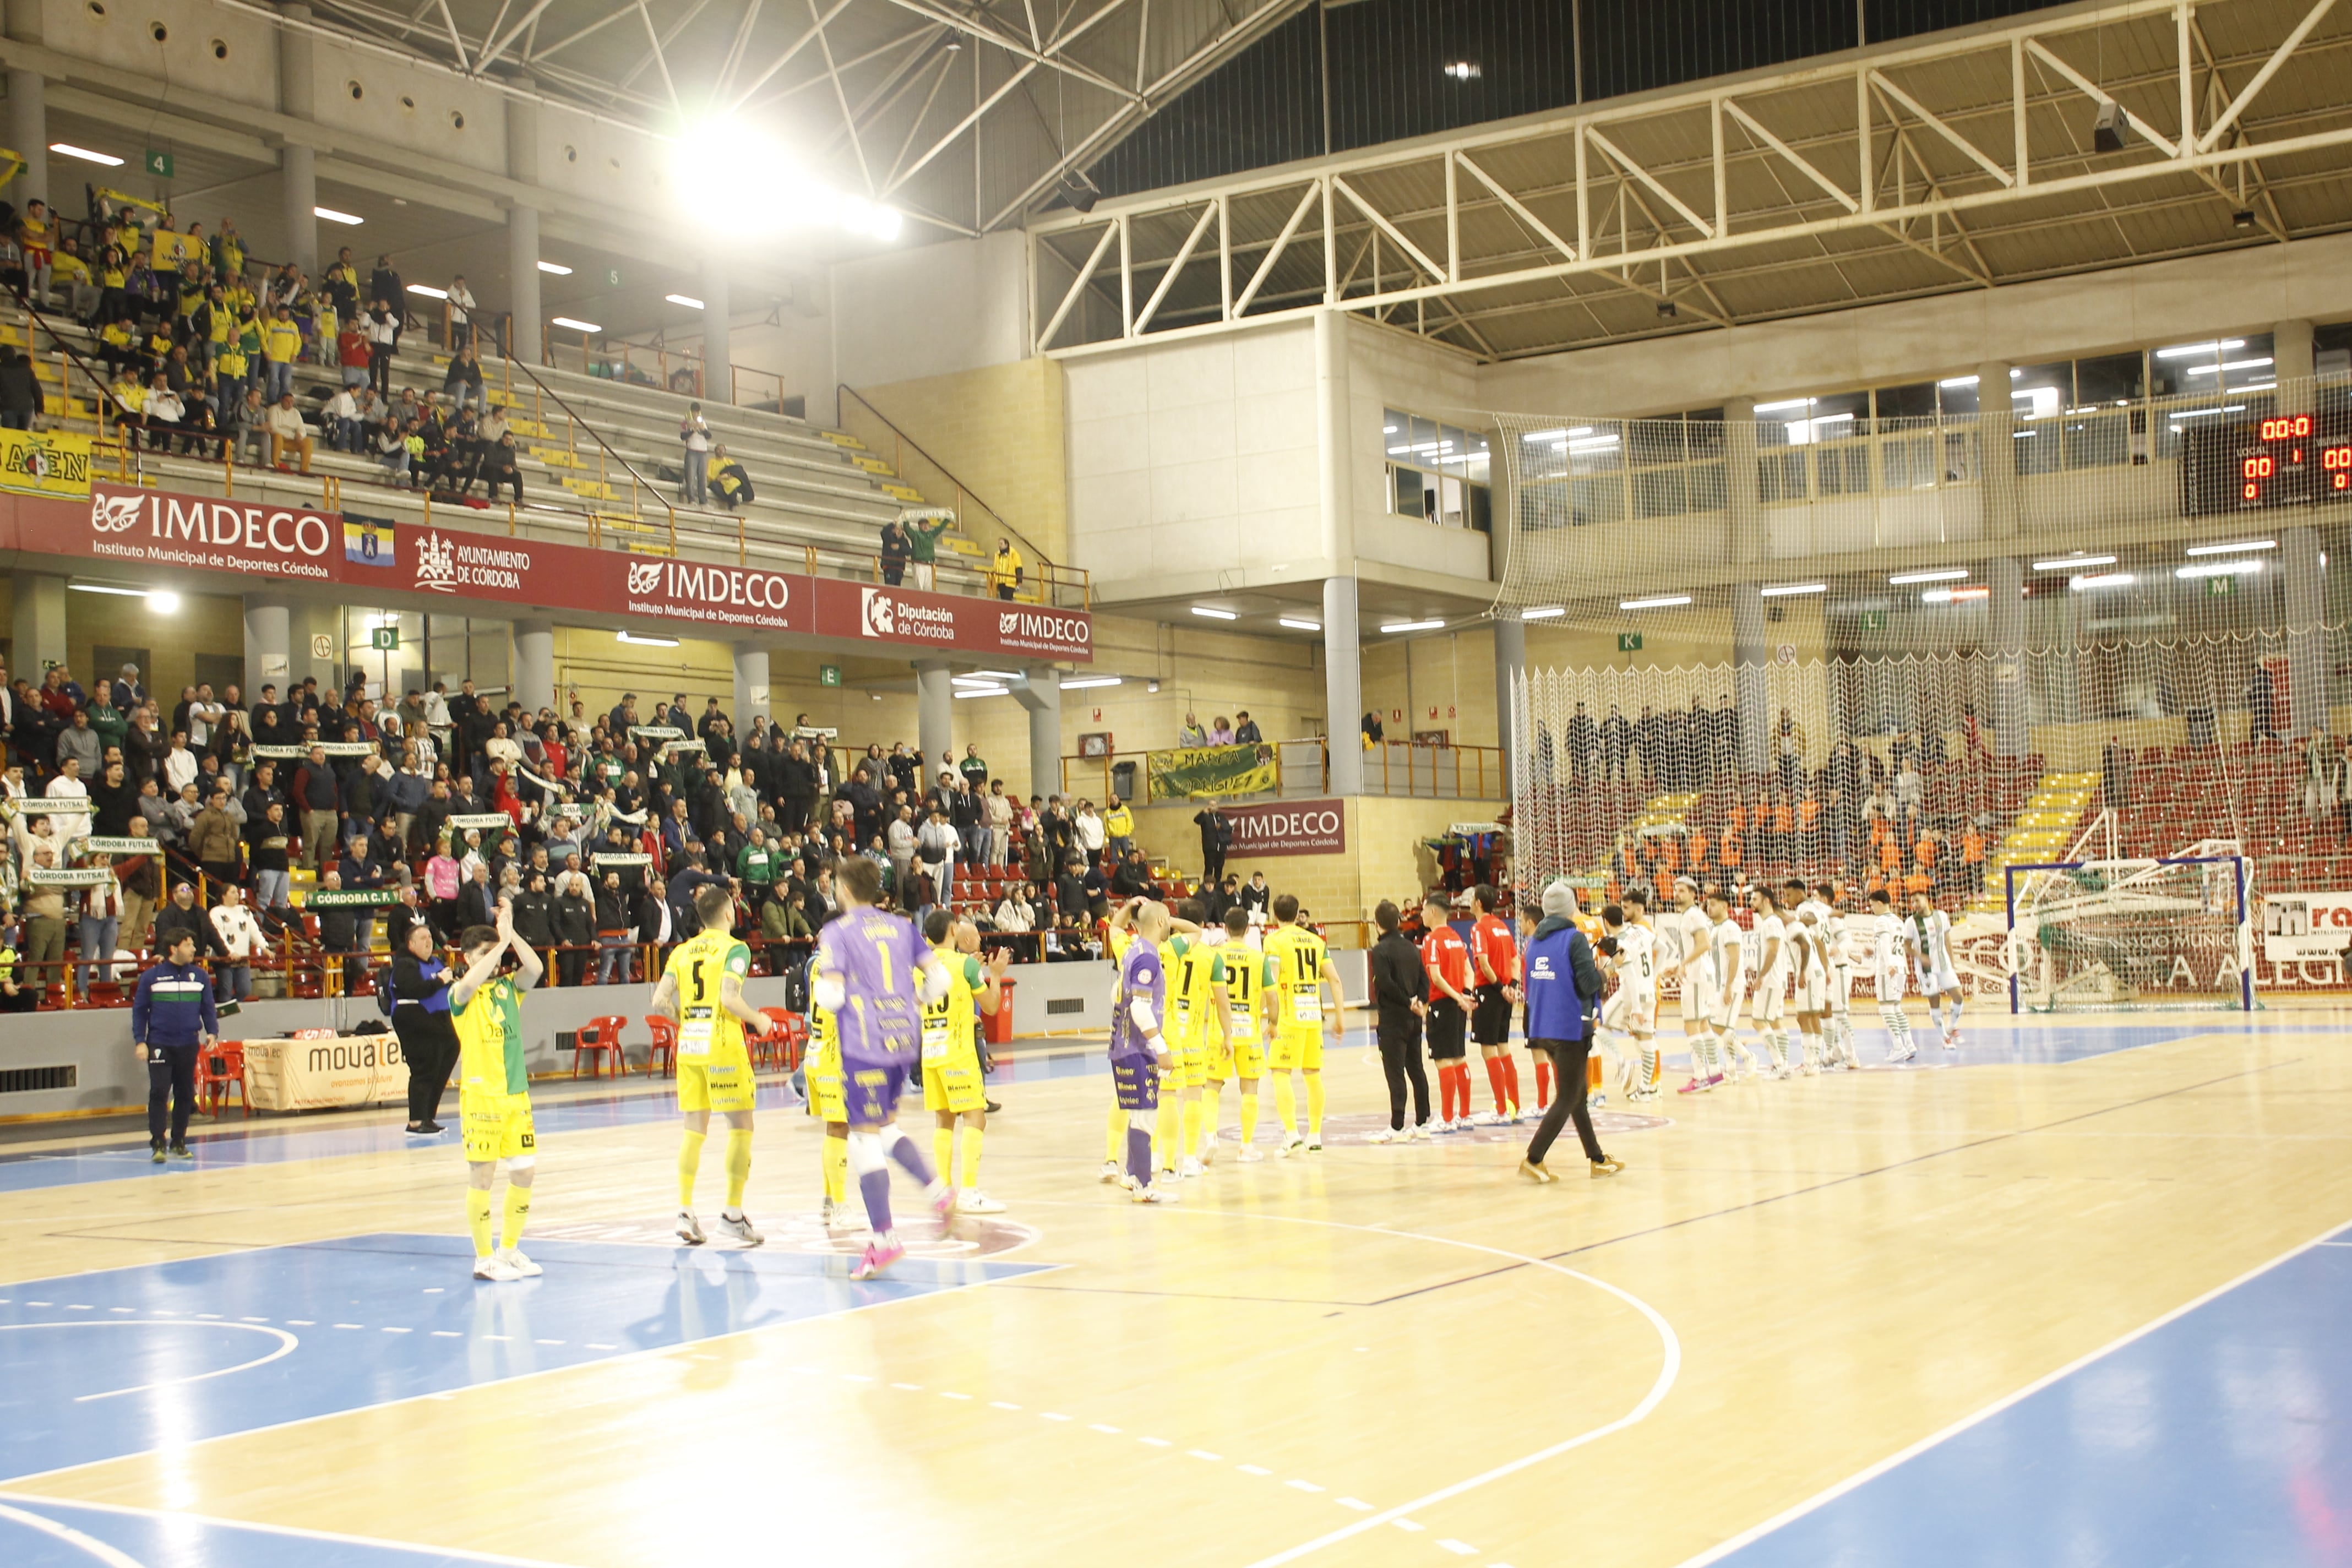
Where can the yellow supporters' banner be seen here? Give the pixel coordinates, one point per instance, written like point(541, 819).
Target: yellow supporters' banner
point(11, 166)
point(125, 199)
point(54, 463)
point(172, 249)
point(1193, 772)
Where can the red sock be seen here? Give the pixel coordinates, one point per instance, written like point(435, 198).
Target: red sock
point(1462, 1087)
point(1495, 1065)
point(1445, 1092)
point(1511, 1076)
point(1543, 1084)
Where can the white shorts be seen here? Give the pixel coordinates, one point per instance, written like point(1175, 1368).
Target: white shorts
point(1934, 982)
point(1718, 1010)
point(1694, 1001)
point(1840, 983)
point(1771, 997)
point(1633, 1010)
point(1813, 990)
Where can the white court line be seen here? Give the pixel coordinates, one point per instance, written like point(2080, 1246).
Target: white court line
point(72, 1537)
point(116, 1560)
point(1715, 1554)
point(1669, 1369)
point(286, 1342)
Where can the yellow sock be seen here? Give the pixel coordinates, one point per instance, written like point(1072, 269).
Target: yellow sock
point(1210, 1112)
point(943, 1153)
point(1286, 1105)
point(967, 1177)
point(836, 1169)
point(1314, 1106)
point(738, 1165)
point(518, 1212)
point(689, 1161)
point(477, 1219)
point(1115, 1140)
point(1249, 1119)
point(1164, 1129)
point(1190, 1124)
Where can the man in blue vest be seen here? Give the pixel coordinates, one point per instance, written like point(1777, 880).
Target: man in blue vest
point(1563, 987)
point(171, 1021)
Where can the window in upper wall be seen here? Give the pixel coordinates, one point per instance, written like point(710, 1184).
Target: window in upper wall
point(1915, 401)
point(1437, 472)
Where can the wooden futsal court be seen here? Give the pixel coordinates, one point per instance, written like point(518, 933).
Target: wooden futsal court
point(1377, 1355)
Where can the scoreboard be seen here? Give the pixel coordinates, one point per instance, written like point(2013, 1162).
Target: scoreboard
point(2251, 465)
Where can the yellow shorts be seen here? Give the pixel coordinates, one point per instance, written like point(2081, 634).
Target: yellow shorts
point(722, 1082)
point(496, 1126)
point(825, 1097)
point(954, 1085)
point(1243, 1056)
point(1296, 1048)
point(1192, 1054)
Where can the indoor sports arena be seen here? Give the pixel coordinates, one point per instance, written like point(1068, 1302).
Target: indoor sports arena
point(1073, 692)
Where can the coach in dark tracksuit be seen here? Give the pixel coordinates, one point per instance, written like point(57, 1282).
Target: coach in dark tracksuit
point(1563, 987)
point(1400, 985)
point(172, 1020)
point(420, 1017)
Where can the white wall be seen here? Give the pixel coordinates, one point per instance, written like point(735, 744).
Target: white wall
point(1918, 340)
point(1387, 370)
point(1196, 457)
point(931, 309)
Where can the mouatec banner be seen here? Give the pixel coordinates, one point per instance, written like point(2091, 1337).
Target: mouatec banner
point(270, 539)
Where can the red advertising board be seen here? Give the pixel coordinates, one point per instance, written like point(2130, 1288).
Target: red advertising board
point(263, 539)
point(1288, 828)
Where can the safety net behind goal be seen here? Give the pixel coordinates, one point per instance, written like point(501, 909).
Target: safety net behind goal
point(2102, 935)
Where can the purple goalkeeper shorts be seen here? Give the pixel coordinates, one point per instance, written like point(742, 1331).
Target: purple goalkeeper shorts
point(870, 1087)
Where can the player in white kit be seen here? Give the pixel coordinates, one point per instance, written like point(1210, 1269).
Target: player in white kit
point(1889, 968)
point(1929, 931)
point(1767, 1008)
point(1812, 970)
point(1837, 1025)
point(1628, 951)
point(1687, 928)
point(1727, 966)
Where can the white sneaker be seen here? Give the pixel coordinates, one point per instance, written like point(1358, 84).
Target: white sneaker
point(742, 1229)
point(973, 1201)
point(1112, 1173)
point(1168, 1174)
point(1314, 1144)
point(1158, 1194)
point(1416, 1133)
point(1386, 1136)
point(1484, 1119)
point(1209, 1148)
point(1598, 1101)
point(690, 1229)
point(1250, 1154)
point(1191, 1169)
point(494, 1267)
point(524, 1269)
point(1291, 1145)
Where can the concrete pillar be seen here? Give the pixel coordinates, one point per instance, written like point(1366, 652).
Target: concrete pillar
point(268, 643)
point(1511, 664)
point(750, 687)
point(534, 664)
point(718, 351)
point(298, 162)
point(2291, 351)
point(38, 637)
point(2005, 641)
point(1039, 692)
point(1751, 658)
point(1997, 450)
point(934, 718)
point(1343, 686)
point(2302, 583)
point(522, 264)
point(1744, 543)
point(28, 119)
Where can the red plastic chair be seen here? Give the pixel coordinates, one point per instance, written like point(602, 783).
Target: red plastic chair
point(218, 1070)
point(600, 1036)
point(665, 1051)
point(783, 1047)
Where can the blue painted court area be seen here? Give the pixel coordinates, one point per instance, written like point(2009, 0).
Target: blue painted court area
point(2218, 1440)
point(37, 1533)
point(96, 1366)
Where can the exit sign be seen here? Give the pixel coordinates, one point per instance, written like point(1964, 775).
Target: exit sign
point(384, 640)
point(1629, 642)
point(828, 675)
point(158, 163)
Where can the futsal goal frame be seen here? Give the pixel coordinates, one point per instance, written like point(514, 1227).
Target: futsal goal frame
point(2240, 885)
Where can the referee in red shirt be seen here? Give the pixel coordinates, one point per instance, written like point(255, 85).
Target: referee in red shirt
point(1494, 947)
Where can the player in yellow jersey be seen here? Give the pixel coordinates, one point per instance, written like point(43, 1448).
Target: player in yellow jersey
point(1237, 980)
point(1117, 935)
point(951, 1086)
point(827, 1103)
point(494, 1089)
point(702, 988)
point(1299, 973)
point(1188, 961)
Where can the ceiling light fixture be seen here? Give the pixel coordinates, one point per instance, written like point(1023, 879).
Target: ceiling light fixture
point(641, 640)
point(1955, 596)
point(2194, 350)
point(1089, 682)
point(577, 326)
point(2085, 583)
point(331, 216)
point(1215, 615)
point(2245, 568)
point(2074, 562)
point(689, 300)
point(2232, 549)
point(1665, 602)
point(556, 268)
point(107, 588)
point(1941, 574)
point(429, 291)
point(964, 691)
point(1299, 625)
point(1393, 627)
point(1783, 592)
point(1543, 612)
point(85, 154)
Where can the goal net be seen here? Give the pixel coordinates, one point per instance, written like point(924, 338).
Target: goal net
point(2109, 935)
